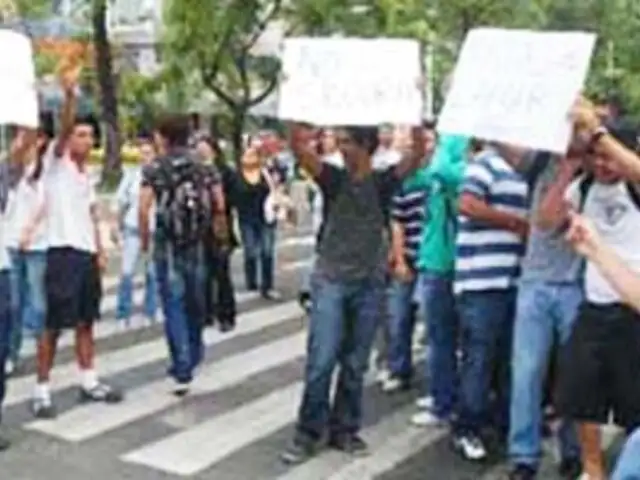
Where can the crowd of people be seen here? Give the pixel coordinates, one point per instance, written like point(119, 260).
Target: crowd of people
point(482, 241)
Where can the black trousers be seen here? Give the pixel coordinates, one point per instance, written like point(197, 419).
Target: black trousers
point(221, 302)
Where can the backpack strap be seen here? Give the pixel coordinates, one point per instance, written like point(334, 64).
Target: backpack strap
point(583, 189)
point(634, 193)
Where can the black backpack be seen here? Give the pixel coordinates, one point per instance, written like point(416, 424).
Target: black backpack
point(185, 204)
point(587, 181)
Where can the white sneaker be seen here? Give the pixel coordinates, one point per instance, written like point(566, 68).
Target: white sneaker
point(382, 376)
point(181, 389)
point(9, 368)
point(425, 403)
point(427, 419)
point(393, 384)
point(470, 447)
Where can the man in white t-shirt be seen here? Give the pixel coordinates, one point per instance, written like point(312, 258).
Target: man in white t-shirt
point(74, 256)
point(601, 362)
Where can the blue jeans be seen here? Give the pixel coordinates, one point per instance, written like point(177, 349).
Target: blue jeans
point(402, 316)
point(258, 241)
point(441, 370)
point(28, 296)
point(486, 327)
point(5, 327)
point(182, 282)
point(545, 311)
point(628, 465)
point(342, 326)
point(130, 257)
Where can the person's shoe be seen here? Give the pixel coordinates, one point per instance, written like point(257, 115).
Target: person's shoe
point(395, 383)
point(9, 368)
point(471, 447)
point(304, 299)
point(181, 389)
point(351, 444)
point(271, 295)
point(299, 451)
point(425, 403)
point(43, 408)
point(570, 468)
point(382, 376)
point(101, 393)
point(226, 327)
point(522, 472)
point(426, 418)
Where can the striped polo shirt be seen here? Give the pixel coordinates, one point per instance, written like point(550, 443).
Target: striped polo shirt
point(488, 258)
point(408, 209)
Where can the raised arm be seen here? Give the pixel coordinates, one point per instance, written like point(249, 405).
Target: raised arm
point(69, 76)
point(553, 209)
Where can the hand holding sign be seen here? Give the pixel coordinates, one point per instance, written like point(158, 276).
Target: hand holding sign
point(69, 71)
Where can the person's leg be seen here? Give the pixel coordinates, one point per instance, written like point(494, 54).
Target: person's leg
point(19, 287)
point(365, 299)
point(532, 342)
point(441, 370)
point(130, 254)
point(267, 259)
point(628, 464)
point(251, 250)
point(226, 301)
point(172, 288)
point(5, 338)
point(151, 291)
point(400, 322)
point(504, 314)
point(88, 311)
point(583, 394)
point(195, 273)
point(326, 329)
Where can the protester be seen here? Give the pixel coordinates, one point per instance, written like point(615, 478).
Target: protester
point(25, 239)
point(75, 255)
point(407, 221)
point(349, 276)
point(189, 203)
point(220, 291)
point(489, 246)
point(549, 295)
point(598, 369)
point(127, 200)
point(253, 186)
point(441, 181)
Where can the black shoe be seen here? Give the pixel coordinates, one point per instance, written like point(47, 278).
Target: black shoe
point(304, 299)
point(226, 327)
point(299, 451)
point(570, 468)
point(43, 409)
point(522, 472)
point(101, 393)
point(350, 443)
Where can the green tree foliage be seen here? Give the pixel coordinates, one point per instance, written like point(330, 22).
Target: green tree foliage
point(216, 39)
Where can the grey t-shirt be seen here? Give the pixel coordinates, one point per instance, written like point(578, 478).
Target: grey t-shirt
point(352, 243)
point(548, 257)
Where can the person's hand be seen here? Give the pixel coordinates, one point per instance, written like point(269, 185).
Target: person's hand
point(402, 271)
point(568, 166)
point(69, 75)
point(25, 239)
point(583, 236)
point(585, 117)
point(521, 228)
point(102, 260)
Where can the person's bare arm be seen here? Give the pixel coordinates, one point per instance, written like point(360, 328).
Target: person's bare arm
point(397, 242)
point(95, 218)
point(553, 209)
point(414, 156)
point(477, 209)
point(626, 160)
point(144, 212)
point(69, 77)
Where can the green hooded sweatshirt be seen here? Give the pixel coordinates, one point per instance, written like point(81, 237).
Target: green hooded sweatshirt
point(441, 180)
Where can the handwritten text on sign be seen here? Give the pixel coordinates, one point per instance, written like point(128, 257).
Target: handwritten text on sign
point(18, 95)
point(351, 81)
point(517, 86)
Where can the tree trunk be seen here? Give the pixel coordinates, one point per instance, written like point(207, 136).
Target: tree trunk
point(237, 130)
point(112, 167)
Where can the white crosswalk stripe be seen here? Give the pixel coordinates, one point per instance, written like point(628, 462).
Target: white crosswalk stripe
point(195, 437)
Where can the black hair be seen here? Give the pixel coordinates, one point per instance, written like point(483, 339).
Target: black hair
point(626, 135)
point(45, 135)
point(214, 145)
point(429, 124)
point(364, 137)
point(175, 129)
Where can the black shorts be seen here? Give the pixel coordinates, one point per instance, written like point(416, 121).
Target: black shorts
point(74, 291)
point(600, 367)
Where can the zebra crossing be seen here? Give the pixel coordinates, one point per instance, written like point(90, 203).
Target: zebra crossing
point(238, 416)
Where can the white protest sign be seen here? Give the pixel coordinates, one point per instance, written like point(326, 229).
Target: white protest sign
point(517, 86)
point(18, 94)
point(348, 81)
